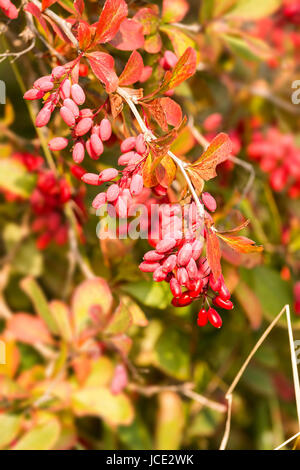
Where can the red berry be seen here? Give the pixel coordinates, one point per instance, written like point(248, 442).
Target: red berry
point(226, 304)
point(202, 317)
point(175, 287)
point(214, 318)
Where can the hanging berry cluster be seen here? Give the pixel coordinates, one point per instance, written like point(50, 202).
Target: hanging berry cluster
point(188, 256)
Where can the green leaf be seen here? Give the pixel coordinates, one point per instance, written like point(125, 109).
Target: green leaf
point(170, 421)
point(37, 297)
point(120, 321)
point(15, 178)
point(258, 380)
point(42, 437)
point(205, 423)
point(135, 436)
point(10, 426)
point(61, 314)
point(99, 401)
point(179, 39)
point(90, 294)
point(252, 49)
point(153, 294)
point(137, 314)
point(172, 353)
point(29, 260)
point(253, 9)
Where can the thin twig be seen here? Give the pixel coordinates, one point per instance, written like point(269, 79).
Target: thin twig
point(237, 378)
point(185, 389)
point(287, 441)
point(150, 136)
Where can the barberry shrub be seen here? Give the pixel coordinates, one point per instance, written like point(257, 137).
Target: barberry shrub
point(144, 119)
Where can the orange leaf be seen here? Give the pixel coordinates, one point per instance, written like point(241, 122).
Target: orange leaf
point(184, 69)
point(47, 4)
point(174, 10)
point(149, 175)
point(102, 65)
point(132, 70)
point(112, 15)
point(29, 329)
point(213, 253)
point(156, 111)
point(84, 35)
point(172, 111)
point(166, 171)
point(216, 153)
point(240, 244)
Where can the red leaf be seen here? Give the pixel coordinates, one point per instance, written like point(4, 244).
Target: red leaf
point(79, 6)
point(213, 253)
point(148, 18)
point(84, 35)
point(172, 111)
point(47, 4)
point(112, 15)
point(184, 69)
point(216, 153)
point(129, 37)
point(174, 10)
point(102, 65)
point(35, 11)
point(132, 70)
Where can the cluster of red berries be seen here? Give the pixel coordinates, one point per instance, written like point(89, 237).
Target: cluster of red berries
point(177, 260)
point(9, 9)
point(121, 193)
point(68, 96)
point(47, 202)
point(279, 156)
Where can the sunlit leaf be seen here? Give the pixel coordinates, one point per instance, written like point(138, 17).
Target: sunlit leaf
point(10, 426)
point(28, 329)
point(102, 65)
point(216, 153)
point(174, 10)
point(113, 13)
point(41, 437)
point(132, 70)
point(213, 253)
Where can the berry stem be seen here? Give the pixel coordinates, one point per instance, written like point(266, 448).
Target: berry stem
point(150, 136)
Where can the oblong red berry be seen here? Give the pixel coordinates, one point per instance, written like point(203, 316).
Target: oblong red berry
point(153, 256)
point(182, 276)
point(43, 117)
point(121, 207)
point(214, 284)
point(202, 317)
point(105, 129)
point(148, 267)
point(209, 202)
point(197, 288)
point(67, 116)
point(91, 178)
point(83, 126)
point(77, 94)
point(226, 304)
point(184, 299)
point(197, 249)
point(72, 106)
point(65, 89)
point(192, 269)
point(99, 200)
point(175, 287)
point(125, 158)
point(140, 144)
point(170, 263)
point(78, 152)
point(214, 318)
point(96, 144)
point(58, 71)
point(108, 174)
point(224, 292)
point(136, 185)
point(159, 274)
point(113, 192)
point(33, 94)
point(165, 245)
point(184, 254)
point(58, 143)
point(127, 144)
